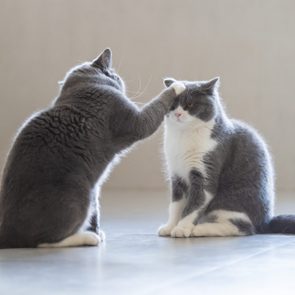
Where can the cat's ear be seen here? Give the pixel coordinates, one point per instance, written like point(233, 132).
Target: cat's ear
point(168, 81)
point(211, 85)
point(104, 60)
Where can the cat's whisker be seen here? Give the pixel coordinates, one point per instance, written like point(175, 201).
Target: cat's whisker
point(141, 92)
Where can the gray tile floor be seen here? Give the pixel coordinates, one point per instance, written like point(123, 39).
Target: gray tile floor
point(135, 261)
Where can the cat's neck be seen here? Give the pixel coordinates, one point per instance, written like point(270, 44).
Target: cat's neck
point(197, 129)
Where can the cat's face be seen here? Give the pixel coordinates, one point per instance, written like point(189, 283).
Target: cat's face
point(98, 71)
point(196, 105)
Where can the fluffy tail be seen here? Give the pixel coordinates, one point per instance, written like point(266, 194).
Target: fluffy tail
point(282, 224)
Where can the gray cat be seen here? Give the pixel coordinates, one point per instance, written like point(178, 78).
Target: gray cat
point(61, 156)
point(220, 170)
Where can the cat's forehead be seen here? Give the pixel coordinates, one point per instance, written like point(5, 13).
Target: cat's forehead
point(192, 89)
point(195, 85)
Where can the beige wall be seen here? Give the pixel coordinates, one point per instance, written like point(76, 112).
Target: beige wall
point(250, 44)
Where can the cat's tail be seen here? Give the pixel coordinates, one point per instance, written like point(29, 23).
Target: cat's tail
point(282, 224)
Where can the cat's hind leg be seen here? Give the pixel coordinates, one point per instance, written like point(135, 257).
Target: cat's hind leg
point(86, 238)
point(222, 223)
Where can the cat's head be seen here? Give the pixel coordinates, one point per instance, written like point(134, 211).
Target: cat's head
point(198, 104)
point(99, 71)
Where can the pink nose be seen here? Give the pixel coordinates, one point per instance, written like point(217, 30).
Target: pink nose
point(177, 114)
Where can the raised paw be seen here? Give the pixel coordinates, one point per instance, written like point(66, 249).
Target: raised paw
point(178, 87)
point(181, 231)
point(165, 230)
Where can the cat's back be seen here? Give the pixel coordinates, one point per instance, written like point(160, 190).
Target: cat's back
point(247, 138)
point(247, 153)
point(53, 130)
point(50, 146)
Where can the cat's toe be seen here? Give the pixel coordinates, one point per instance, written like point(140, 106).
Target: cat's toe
point(165, 230)
point(178, 87)
point(181, 232)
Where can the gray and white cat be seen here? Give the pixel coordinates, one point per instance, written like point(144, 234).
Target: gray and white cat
point(220, 170)
point(61, 156)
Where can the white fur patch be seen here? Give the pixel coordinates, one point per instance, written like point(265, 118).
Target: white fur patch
point(185, 147)
point(215, 230)
point(225, 215)
point(178, 87)
point(86, 238)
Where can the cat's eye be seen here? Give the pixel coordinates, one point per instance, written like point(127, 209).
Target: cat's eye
point(189, 104)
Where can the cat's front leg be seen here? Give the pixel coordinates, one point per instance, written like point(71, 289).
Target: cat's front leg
point(94, 226)
point(178, 201)
point(198, 200)
point(175, 210)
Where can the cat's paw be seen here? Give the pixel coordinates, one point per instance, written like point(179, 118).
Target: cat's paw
point(165, 230)
point(181, 231)
point(92, 239)
point(178, 87)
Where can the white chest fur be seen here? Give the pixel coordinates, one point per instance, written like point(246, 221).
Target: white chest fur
point(185, 148)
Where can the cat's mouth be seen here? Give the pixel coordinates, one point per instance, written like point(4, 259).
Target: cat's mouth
point(177, 119)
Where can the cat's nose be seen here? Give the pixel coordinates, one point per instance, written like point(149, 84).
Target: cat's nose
point(177, 114)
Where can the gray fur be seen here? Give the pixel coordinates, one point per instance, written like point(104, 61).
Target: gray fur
point(239, 171)
point(60, 157)
point(179, 188)
point(195, 195)
point(246, 228)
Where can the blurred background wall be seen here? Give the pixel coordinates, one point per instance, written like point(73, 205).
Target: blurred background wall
point(249, 44)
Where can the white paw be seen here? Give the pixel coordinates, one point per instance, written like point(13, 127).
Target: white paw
point(181, 231)
point(178, 87)
point(165, 230)
point(91, 239)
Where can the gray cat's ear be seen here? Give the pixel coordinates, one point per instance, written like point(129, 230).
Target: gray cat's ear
point(211, 85)
point(168, 81)
point(104, 60)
